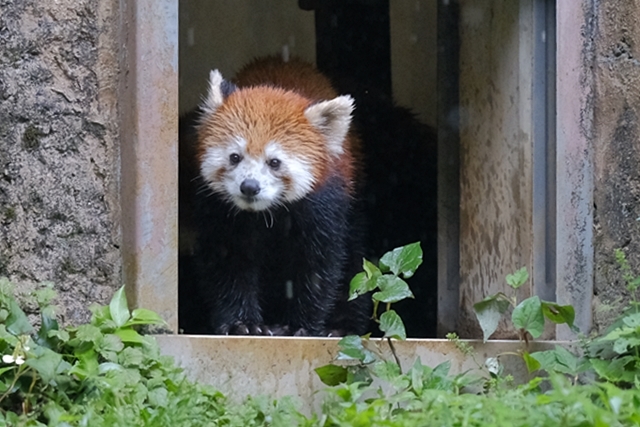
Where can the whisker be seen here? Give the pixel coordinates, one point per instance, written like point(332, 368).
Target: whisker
point(203, 188)
point(271, 217)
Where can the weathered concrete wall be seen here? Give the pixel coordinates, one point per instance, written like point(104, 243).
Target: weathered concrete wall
point(616, 151)
point(496, 164)
point(59, 209)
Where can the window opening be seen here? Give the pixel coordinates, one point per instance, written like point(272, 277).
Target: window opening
point(350, 41)
point(419, 168)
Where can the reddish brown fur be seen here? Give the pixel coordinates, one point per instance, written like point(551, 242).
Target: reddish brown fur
point(295, 74)
point(261, 110)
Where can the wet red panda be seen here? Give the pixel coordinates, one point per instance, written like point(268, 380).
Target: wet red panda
point(277, 238)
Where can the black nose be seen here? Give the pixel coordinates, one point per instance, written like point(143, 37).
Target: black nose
point(250, 187)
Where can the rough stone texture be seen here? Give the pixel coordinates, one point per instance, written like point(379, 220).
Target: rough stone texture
point(616, 152)
point(59, 209)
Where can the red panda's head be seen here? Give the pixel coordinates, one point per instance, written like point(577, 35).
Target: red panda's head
point(260, 147)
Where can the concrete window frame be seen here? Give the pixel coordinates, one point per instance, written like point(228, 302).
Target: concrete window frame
point(560, 116)
point(149, 163)
point(148, 105)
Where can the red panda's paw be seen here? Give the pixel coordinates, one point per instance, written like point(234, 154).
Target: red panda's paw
point(287, 331)
point(240, 328)
point(302, 332)
point(331, 333)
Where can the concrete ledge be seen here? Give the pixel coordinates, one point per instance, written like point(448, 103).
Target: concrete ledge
point(281, 366)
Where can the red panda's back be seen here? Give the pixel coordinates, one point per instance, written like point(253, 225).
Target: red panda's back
point(295, 74)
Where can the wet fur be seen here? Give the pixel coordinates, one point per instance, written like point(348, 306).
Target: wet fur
point(284, 270)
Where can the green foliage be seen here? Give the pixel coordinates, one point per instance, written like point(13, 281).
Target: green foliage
point(371, 390)
point(105, 373)
point(615, 356)
point(387, 280)
point(528, 316)
point(386, 284)
point(436, 402)
point(489, 312)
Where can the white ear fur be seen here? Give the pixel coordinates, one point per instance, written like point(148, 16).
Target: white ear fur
point(215, 96)
point(332, 118)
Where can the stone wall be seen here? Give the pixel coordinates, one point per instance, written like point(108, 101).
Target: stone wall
point(59, 163)
point(616, 151)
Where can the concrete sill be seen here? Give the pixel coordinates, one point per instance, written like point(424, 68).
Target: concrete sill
point(280, 366)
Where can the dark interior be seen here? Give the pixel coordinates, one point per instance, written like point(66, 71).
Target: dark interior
point(399, 193)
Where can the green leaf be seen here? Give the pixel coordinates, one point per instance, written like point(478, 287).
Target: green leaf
point(386, 370)
point(88, 333)
point(404, 260)
point(518, 278)
point(99, 314)
point(129, 336)
point(632, 320)
point(17, 322)
point(528, 316)
point(558, 313)
point(86, 365)
point(442, 370)
point(158, 397)
point(359, 285)
point(105, 367)
point(370, 268)
point(617, 370)
point(45, 362)
point(392, 289)
point(7, 369)
point(62, 335)
point(332, 375)
point(621, 345)
point(47, 325)
point(45, 295)
point(109, 345)
point(131, 357)
point(142, 316)
point(634, 284)
point(118, 308)
point(567, 362)
point(359, 374)
point(365, 281)
point(351, 348)
point(416, 373)
point(392, 326)
point(489, 312)
point(532, 363)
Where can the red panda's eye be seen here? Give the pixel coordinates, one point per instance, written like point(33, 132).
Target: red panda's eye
point(235, 158)
point(274, 164)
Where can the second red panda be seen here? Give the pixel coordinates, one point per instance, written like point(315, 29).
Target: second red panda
point(277, 235)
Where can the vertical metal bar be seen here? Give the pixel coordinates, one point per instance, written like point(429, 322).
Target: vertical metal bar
point(543, 112)
point(448, 166)
point(148, 150)
point(550, 130)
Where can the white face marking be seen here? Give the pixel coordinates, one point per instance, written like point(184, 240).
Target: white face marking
point(272, 187)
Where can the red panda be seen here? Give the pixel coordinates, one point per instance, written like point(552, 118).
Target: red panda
point(278, 235)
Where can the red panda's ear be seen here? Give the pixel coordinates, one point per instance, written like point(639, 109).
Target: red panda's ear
point(219, 89)
point(332, 118)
